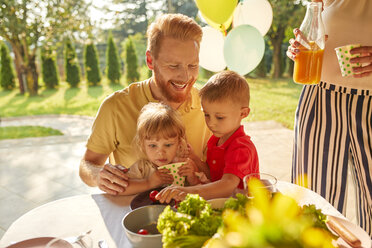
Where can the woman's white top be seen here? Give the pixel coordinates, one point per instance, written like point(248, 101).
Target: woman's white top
point(346, 22)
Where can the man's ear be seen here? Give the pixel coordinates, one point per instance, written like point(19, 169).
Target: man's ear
point(149, 60)
point(244, 112)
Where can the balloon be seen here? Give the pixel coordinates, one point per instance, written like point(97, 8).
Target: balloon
point(217, 12)
point(222, 27)
point(211, 50)
point(244, 48)
point(257, 13)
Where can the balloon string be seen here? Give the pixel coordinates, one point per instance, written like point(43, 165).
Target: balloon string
point(223, 29)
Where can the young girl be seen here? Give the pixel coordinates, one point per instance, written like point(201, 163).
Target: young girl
point(160, 140)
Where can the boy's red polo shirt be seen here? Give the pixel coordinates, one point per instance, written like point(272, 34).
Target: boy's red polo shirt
point(237, 156)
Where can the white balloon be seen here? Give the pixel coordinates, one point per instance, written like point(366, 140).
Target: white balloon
point(257, 13)
point(211, 50)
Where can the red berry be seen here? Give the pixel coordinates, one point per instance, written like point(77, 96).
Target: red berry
point(143, 231)
point(153, 194)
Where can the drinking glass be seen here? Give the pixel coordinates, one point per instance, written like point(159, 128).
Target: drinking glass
point(83, 242)
point(268, 182)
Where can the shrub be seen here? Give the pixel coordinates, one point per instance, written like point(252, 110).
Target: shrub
point(7, 78)
point(72, 68)
point(49, 68)
point(112, 61)
point(131, 66)
point(91, 65)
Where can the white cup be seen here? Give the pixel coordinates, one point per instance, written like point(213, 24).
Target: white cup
point(344, 56)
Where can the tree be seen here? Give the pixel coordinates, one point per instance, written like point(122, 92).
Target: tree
point(132, 16)
point(7, 81)
point(49, 67)
point(112, 61)
point(287, 15)
point(91, 66)
point(131, 67)
point(141, 46)
point(186, 7)
point(24, 22)
point(72, 68)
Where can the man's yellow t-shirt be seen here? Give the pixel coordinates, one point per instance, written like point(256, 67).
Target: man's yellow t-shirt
point(116, 122)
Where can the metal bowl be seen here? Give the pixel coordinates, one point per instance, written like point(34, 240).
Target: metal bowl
point(141, 218)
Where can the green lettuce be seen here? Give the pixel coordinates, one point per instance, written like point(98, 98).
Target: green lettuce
point(192, 224)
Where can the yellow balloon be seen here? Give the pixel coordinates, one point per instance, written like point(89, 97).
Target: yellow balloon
point(217, 12)
point(221, 27)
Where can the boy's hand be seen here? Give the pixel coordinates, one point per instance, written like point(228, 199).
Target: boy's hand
point(172, 192)
point(159, 178)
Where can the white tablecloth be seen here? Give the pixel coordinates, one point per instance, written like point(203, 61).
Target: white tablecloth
point(103, 213)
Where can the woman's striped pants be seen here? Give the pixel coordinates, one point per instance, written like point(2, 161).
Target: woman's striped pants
point(331, 123)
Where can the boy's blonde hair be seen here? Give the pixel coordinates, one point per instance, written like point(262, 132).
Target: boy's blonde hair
point(158, 120)
point(175, 26)
point(226, 85)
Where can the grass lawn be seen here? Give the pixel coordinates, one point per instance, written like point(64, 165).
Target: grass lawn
point(274, 100)
point(19, 132)
point(270, 100)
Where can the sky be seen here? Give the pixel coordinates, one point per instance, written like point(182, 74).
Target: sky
point(97, 16)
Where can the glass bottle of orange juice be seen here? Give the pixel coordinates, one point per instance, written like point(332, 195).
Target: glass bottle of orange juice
point(308, 62)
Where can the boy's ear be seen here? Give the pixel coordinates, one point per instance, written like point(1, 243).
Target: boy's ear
point(149, 60)
point(244, 112)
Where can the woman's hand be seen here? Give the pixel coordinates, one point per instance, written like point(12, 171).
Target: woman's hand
point(364, 58)
point(293, 49)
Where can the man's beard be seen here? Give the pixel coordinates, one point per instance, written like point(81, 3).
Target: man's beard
point(168, 93)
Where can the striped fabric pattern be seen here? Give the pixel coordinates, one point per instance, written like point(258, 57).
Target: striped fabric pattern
point(331, 123)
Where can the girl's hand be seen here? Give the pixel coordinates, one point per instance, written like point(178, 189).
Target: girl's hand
point(183, 155)
point(159, 178)
point(365, 58)
point(172, 192)
point(188, 170)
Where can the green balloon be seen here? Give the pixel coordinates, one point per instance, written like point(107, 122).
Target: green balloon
point(243, 49)
point(219, 12)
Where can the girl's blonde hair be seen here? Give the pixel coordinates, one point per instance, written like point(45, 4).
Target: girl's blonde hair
point(158, 120)
point(175, 26)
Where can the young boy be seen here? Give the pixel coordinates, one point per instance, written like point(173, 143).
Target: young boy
point(231, 154)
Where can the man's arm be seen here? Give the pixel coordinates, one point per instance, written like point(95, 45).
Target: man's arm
point(109, 178)
point(90, 166)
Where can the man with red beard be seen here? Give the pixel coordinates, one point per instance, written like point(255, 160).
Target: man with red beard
point(173, 56)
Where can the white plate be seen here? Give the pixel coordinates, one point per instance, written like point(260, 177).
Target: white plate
point(356, 230)
point(39, 243)
point(217, 203)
